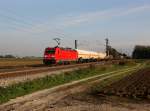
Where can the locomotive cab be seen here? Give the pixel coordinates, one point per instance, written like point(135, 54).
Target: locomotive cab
point(49, 56)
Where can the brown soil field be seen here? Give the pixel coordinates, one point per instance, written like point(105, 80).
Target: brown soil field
point(83, 101)
point(16, 63)
point(135, 86)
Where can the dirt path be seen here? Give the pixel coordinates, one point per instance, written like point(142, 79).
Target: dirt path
point(83, 101)
point(44, 100)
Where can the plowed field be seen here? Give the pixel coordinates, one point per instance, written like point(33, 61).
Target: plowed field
point(135, 86)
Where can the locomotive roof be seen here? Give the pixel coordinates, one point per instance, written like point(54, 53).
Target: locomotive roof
point(67, 48)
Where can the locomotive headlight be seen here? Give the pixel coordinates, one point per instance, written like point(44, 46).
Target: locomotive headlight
point(52, 56)
point(45, 56)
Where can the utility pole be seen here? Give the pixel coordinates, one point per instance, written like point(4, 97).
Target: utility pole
point(76, 44)
point(107, 47)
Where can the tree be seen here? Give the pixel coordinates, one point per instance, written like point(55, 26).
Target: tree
point(1, 56)
point(141, 52)
point(9, 56)
point(113, 52)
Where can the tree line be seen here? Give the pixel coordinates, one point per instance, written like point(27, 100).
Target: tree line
point(12, 56)
point(141, 52)
point(116, 54)
point(7, 56)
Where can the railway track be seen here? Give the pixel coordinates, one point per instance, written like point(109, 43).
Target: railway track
point(33, 71)
point(18, 76)
point(42, 99)
point(36, 70)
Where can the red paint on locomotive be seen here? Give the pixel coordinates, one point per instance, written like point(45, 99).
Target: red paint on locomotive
point(59, 55)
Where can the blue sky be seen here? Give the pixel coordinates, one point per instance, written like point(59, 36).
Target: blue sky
point(28, 26)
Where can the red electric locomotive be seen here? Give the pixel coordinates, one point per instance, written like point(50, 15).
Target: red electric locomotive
point(59, 55)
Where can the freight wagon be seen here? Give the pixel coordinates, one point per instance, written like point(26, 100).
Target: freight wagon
point(90, 56)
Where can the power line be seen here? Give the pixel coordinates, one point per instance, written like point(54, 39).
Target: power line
point(17, 22)
point(29, 27)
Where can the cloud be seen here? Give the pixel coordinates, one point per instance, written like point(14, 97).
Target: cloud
point(101, 15)
point(57, 25)
point(136, 10)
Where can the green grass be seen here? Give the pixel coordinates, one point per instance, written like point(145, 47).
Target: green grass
point(20, 89)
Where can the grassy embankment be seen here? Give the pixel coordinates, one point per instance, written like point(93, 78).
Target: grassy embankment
point(21, 89)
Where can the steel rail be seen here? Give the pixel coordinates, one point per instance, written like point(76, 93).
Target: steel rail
point(19, 73)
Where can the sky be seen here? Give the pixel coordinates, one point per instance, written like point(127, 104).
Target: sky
point(28, 26)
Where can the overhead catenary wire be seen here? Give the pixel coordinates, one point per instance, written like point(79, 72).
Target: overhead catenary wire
point(21, 25)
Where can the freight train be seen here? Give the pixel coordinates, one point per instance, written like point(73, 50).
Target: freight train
point(59, 55)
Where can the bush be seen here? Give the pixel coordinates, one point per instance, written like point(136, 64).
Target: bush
point(141, 52)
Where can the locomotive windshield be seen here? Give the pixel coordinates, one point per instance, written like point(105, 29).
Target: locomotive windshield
point(50, 51)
